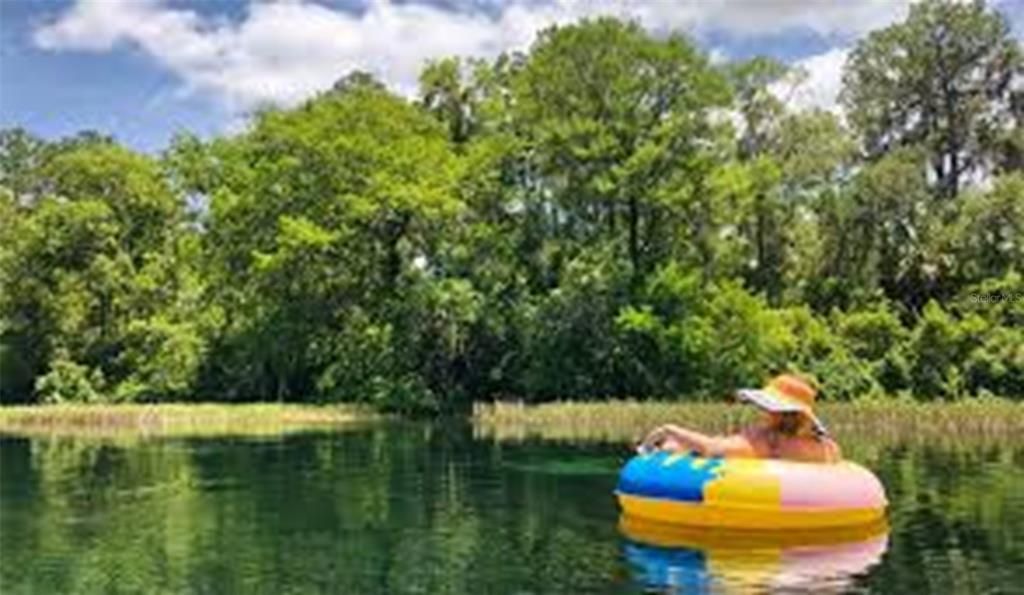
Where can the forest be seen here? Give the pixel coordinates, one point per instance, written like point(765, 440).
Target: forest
point(611, 213)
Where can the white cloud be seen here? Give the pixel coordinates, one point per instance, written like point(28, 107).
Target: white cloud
point(761, 17)
point(280, 52)
point(284, 51)
point(819, 88)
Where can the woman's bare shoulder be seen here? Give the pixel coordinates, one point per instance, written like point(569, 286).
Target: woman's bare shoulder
point(738, 445)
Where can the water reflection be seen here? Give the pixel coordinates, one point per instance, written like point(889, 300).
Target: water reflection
point(420, 508)
point(674, 559)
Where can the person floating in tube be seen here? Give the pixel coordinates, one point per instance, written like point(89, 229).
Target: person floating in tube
point(788, 430)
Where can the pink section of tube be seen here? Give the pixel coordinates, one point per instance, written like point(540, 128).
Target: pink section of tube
point(843, 485)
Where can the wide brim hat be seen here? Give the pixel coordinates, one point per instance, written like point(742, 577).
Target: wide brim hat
point(785, 394)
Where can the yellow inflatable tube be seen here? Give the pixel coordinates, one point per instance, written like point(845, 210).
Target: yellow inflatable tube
point(748, 493)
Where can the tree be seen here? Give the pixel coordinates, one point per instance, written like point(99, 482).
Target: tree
point(445, 94)
point(989, 231)
point(21, 155)
point(88, 269)
point(615, 118)
point(942, 79)
point(323, 221)
point(761, 112)
point(759, 107)
point(886, 228)
point(815, 152)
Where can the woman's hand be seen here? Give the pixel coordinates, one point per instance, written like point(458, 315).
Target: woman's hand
point(654, 439)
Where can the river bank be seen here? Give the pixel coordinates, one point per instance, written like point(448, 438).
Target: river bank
point(985, 420)
point(988, 420)
point(175, 419)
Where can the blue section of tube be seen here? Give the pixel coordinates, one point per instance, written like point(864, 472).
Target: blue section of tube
point(667, 475)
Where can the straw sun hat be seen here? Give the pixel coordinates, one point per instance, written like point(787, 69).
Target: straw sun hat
point(785, 394)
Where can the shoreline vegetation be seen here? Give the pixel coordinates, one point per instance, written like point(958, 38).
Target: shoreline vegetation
point(986, 420)
point(978, 421)
point(175, 419)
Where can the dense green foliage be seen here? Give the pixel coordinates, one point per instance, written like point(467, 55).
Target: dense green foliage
point(608, 214)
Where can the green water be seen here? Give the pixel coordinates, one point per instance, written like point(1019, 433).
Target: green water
point(406, 508)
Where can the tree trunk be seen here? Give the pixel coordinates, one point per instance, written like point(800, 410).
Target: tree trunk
point(634, 237)
point(953, 189)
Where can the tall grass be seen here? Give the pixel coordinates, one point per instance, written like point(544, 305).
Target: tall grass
point(130, 420)
point(980, 420)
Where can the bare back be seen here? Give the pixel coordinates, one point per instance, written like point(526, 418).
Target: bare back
point(767, 444)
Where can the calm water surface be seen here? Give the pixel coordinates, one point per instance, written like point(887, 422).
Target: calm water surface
point(406, 508)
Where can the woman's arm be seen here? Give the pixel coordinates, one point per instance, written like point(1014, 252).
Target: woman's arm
point(683, 439)
point(680, 438)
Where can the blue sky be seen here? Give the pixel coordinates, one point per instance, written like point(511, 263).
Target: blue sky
point(145, 69)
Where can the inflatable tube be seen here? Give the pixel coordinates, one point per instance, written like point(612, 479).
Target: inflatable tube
point(737, 493)
point(715, 539)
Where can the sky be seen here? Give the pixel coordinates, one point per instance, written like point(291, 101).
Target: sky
point(144, 70)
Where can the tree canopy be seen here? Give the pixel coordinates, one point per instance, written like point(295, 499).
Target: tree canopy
point(606, 214)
